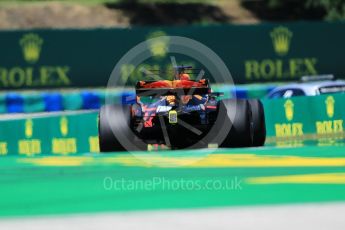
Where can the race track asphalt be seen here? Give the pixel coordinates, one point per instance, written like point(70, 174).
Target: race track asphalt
point(223, 180)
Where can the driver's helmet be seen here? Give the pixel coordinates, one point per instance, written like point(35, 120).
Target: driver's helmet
point(184, 76)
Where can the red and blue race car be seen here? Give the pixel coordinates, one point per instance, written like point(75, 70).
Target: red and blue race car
point(181, 113)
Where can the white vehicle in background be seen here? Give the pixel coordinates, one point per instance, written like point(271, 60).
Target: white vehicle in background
point(309, 86)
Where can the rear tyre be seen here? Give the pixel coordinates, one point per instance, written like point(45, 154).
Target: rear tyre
point(258, 119)
point(114, 125)
point(238, 114)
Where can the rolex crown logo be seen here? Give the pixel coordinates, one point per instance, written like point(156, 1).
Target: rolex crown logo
point(28, 128)
point(31, 45)
point(330, 106)
point(64, 126)
point(289, 110)
point(281, 38)
point(159, 45)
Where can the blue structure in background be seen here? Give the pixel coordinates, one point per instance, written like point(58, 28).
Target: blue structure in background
point(128, 98)
point(14, 103)
point(53, 102)
point(91, 100)
point(240, 93)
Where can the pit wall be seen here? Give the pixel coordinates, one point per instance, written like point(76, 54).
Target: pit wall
point(288, 122)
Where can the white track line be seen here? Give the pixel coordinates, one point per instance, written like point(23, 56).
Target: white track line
point(282, 217)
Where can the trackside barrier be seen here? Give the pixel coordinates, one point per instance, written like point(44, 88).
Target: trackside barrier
point(53, 134)
point(31, 102)
point(288, 122)
point(291, 121)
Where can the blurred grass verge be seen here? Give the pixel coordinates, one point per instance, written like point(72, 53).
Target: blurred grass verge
point(29, 14)
point(19, 14)
point(97, 2)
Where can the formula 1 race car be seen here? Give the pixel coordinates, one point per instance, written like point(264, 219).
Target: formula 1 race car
point(181, 113)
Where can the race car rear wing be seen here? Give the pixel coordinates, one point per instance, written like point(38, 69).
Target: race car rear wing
point(176, 87)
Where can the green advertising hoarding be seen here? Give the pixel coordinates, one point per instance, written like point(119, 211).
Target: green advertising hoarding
point(52, 134)
point(288, 122)
point(305, 118)
point(252, 53)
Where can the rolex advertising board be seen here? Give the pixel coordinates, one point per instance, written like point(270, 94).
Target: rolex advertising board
point(288, 121)
point(300, 118)
point(252, 53)
point(54, 134)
